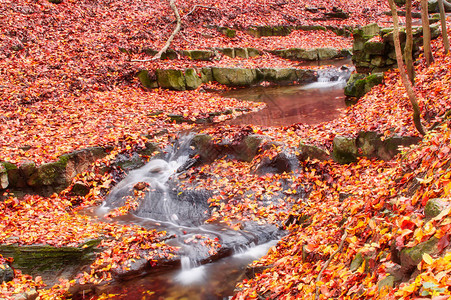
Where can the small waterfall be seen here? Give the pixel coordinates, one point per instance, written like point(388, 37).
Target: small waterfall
point(331, 78)
point(191, 272)
point(161, 199)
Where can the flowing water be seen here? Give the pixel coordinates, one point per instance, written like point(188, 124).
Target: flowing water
point(182, 213)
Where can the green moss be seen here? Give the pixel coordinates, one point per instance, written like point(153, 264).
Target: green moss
point(171, 79)
point(46, 257)
point(193, 81)
point(146, 80)
point(433, 208)
point(344, 150)
point(374, 48)
point(413, 256)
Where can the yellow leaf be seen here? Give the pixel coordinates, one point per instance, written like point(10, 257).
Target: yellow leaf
point(427, 259)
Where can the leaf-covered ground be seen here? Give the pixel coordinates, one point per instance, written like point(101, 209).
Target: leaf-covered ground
point(64, 85)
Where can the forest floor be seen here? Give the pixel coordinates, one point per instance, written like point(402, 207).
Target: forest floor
point(65, 85)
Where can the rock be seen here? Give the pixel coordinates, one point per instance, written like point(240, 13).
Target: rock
point(344, 150)
point(311, 9)
point(433, 6)
point(260, 31)
point(205, 148)
point(374, 47)
point(235, 76)
point(356, 262)
point(369, 30)
point(80, 189)
point(193, 81)
point(228, 32)
point(199, 54)
point(171, 79)
point(128, 162)
point(44, 257)
point(306, 76)
point(309, 54)
point(283, 162)
point(327, 53)
point(250, 146)
point(230, 52)
point(312, 152)
point(252, 52)
point(434, 207)
point(386, 284)
point(359, 84)
point(336, 14)
point(147, 79)
point(251, 271)
point(6, 273)
point(206, 75)
point(4, 183)
point(279, 75)
point(149, 149)
point(411, 257)
point(169, 54)
point(241, 52)
point(355, 87)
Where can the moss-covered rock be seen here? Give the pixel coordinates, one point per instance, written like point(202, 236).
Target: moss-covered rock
point(235, 76)
point(230, 52)
point(250, 146)
point(4, 183)
point(228, 32)
point(6, 273)
point(411, 257)
point(386, 284)
point(44, 257)
point(434, 207)
point(306, 76)
point(355, 87)
point(147, 79)
point(327, 53)
point(49, 174)
point(279, 75)
point(374, 47)
point(171, 79)
point(199, 54)
point(344, 150)
point(252, 52)
point(241, 52)
point(312, 152)
point(193, 81)
point(259, 31)
point(206, 75)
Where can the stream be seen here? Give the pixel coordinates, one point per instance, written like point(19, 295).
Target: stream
point(182, 212)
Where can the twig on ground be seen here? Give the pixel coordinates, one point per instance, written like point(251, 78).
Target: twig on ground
point(320, 274)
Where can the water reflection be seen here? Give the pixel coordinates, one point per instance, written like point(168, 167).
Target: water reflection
point(311, 104)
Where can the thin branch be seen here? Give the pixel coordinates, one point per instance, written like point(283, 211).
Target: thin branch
point(196, 7)
point(169, 41)
point(318, 279)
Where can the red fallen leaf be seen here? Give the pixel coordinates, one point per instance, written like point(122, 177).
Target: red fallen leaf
point(407, 224)
point(443, 242)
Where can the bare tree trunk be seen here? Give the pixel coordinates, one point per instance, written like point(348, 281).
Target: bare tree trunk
point(402, 71)
point(426, 33)
point(174, 33)
point(443, 22)
point(169, 41)
point(408, 57)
